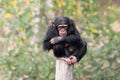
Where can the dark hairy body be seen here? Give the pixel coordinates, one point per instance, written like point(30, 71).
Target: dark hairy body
point(69, 43)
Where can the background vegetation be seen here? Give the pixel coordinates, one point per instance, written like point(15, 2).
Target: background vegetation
point(23, 24)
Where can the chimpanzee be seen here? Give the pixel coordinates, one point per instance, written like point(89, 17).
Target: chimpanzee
point(65, 40)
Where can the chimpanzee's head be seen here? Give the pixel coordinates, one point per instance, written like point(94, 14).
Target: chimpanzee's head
point(64, 26)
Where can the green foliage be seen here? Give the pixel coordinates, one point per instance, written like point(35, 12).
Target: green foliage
point(23, 26)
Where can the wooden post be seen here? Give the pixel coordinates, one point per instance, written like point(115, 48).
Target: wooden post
point(63, 70)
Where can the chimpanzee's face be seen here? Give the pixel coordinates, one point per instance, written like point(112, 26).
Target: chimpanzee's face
point(62, 24)
point(62, 29)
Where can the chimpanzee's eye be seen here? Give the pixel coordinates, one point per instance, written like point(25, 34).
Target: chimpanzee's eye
point(62, 27)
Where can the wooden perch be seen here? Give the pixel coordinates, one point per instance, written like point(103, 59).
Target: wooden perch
point(63, 70)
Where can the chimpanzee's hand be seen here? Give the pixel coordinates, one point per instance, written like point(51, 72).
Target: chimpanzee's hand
point(73, 59)
point(67, 60)
point(70, 60)
point(56, 39)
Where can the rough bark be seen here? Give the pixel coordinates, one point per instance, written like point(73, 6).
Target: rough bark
point(63, 70)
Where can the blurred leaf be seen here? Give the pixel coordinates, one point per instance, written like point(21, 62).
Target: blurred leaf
point(24, 23)
point(8, 15)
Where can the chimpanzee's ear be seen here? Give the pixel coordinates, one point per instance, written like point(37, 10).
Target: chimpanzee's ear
point(53, 28)
point(52, 24)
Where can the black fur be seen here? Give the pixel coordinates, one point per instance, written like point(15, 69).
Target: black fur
point(73, 39)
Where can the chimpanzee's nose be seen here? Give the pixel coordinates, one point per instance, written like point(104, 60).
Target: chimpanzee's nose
point(62, 29)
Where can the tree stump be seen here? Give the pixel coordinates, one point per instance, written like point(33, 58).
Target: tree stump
point(63, 70)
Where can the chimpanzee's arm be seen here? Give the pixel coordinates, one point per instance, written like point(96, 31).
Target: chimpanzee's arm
point(73, 38)
point(46, 42)
point(58, 48)
point(81, 51)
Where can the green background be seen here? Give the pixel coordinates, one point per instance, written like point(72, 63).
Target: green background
point(23, 24)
